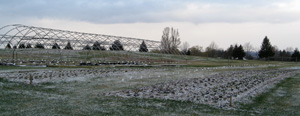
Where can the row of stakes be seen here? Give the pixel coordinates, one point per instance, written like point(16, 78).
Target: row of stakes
point(72, 62)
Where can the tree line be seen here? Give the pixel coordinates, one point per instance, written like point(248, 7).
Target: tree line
point(266, 52)
point(116, 46)
point(170, 42)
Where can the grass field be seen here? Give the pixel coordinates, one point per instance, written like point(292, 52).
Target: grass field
point(84, 95)
point(284, 99)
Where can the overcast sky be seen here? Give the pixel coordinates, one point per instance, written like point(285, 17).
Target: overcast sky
point(199, 21)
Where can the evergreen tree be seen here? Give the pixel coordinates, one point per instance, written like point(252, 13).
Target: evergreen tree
point(266, 50)
point(188, 52)
point(229, 51)
point(22, 46)
point(97, 46)
point(8, 46)
point(39, 45)
point(117, 45)
point(235, 52)
point(296, 55)
point(28, 45)
point(242, 53)
point(143, 47)
point(238, 52)
point(87, 47)
point(68, 46)
point(55, 46)
point(283, 53)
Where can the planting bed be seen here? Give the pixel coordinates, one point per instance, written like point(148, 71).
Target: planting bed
point(219, 90)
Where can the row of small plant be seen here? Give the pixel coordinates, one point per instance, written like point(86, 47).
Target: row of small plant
point(117, 45)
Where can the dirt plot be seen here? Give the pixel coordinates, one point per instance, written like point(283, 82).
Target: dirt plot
point(221, 90)
point(127, 91)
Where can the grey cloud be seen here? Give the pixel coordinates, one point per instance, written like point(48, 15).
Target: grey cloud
point(92, 10)
point(130, 11)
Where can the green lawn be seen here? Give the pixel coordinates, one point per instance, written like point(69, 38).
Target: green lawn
point(284, 99)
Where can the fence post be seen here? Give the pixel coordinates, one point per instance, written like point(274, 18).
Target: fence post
point(30, 78)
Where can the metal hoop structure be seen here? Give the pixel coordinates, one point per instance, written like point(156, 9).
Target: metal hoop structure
point(20, 43)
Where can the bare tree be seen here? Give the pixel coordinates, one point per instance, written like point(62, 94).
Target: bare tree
point(289, 50)
point(175, 40)
point(276, 50)
point(248, 49)
point(213, 45)
point(211, 49)
point(170, 40)
point(256, 50)
point(184, 48)
point(165, 42)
